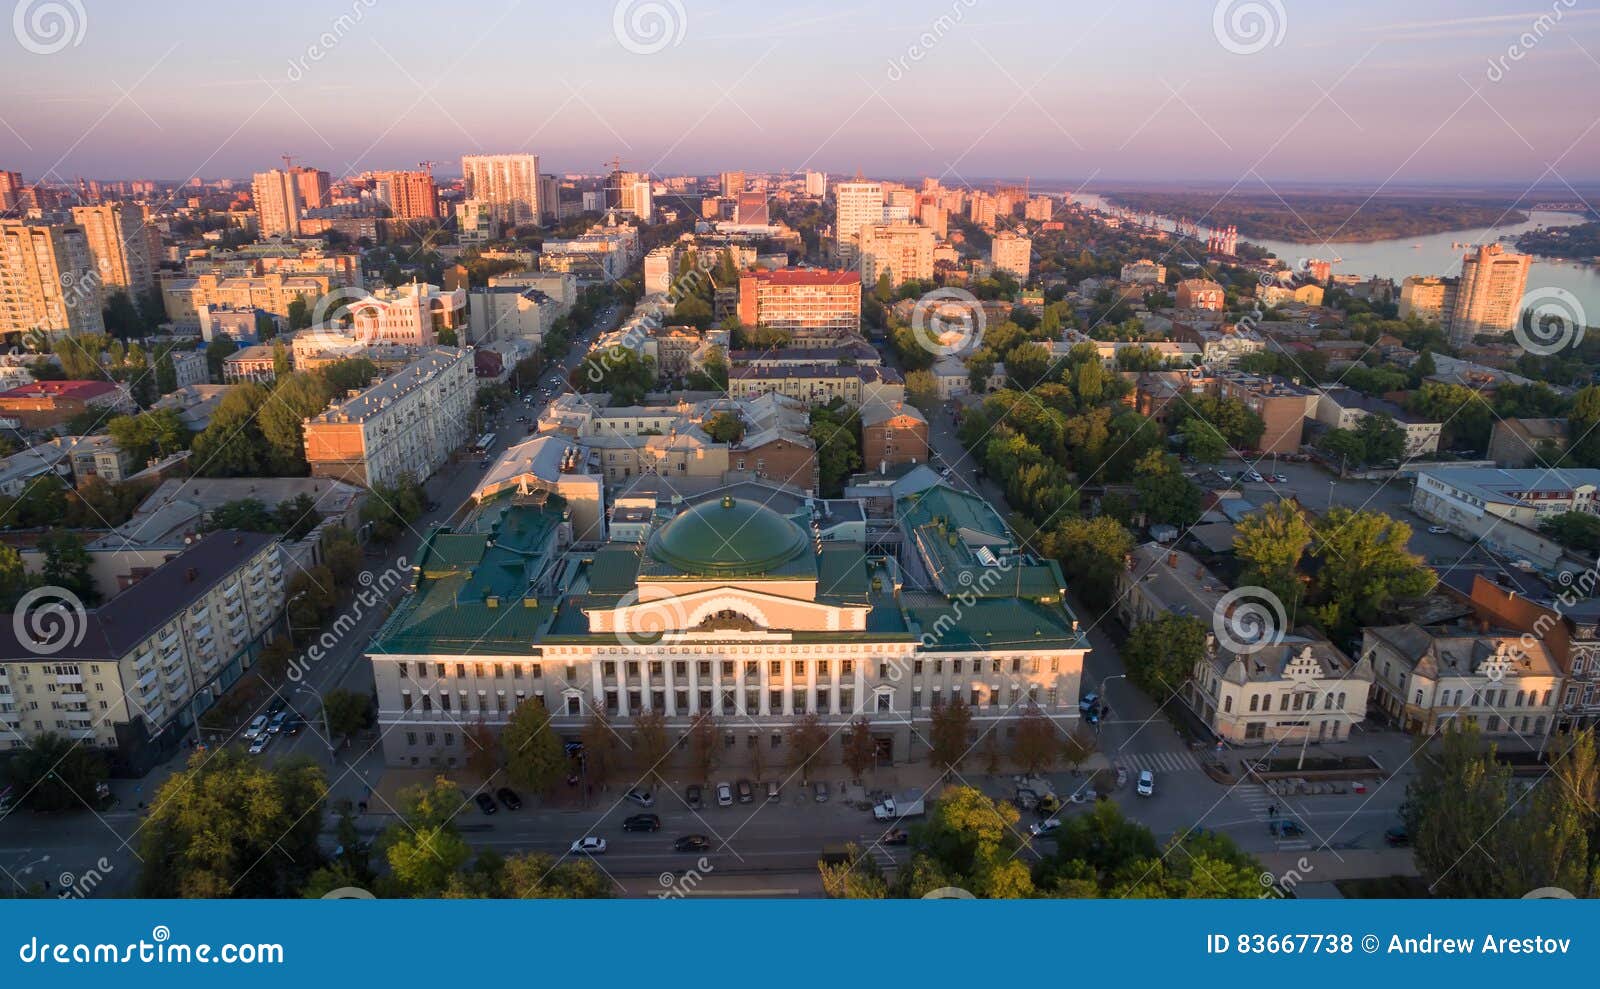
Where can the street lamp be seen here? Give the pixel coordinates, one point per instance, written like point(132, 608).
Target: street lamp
point(327, 734)
point(1330, 494)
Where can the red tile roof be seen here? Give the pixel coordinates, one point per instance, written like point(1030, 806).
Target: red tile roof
point(80, 390)
point(807, 276)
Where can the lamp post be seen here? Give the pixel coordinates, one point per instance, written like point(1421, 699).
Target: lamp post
point(327, 734)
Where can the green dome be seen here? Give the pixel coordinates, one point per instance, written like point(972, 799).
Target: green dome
point(727, 538)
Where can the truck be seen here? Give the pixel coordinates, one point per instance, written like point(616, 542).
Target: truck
point(892, 809)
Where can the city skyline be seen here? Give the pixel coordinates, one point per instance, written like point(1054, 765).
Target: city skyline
point(1472, 93)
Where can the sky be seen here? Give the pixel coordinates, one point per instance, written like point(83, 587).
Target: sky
point(1275, 91)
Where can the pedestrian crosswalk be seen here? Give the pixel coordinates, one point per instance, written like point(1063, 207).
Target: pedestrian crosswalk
point(1267, 807)
point(1157, 762)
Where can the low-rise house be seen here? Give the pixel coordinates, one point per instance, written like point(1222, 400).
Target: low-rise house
point(1527, 442)
point(1294, 689)
point(1431, 679)
point(1344, 408)
point(46, 404)
point(893, 434)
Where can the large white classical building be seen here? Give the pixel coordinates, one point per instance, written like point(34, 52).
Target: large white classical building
point(728, 608)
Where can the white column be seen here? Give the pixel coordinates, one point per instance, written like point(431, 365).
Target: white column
point(622, 687)
point(671, 692)
point(596, 668)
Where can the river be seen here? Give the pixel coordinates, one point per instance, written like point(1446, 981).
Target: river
point(1435, 254)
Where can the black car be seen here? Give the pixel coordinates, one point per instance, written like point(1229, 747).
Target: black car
point(642, 822)
point(485, 803)
point(691, 843)
point(509, 797)
point(895, 837)
point(691, 796)
point(746, 794)
point(1397, 836)
point(277, 705)
point(293, 725)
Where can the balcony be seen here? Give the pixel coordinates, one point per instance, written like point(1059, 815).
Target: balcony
point(70, 678)
point(148, 679)
point(73, 697)
point(82, 734)
point(176, 678)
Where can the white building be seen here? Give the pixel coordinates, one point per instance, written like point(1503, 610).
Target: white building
point(1012, 253)
point(508, 183)
point(1430, 679)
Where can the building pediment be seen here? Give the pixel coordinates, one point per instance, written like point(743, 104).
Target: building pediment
point(721, 612)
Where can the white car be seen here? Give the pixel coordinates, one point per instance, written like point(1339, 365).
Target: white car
point(1254, 477)
point(641, 797)
point(1147, 783)
point(1437, 530)
point(257, 727)
point(588, 846)
point(1280, 479)
point(724, 795)
point(1047, 826)
point(260, 744)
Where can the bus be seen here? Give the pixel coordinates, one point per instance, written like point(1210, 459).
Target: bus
point(484, 443)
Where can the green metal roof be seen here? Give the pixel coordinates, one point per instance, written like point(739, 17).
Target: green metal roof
point(728, 538)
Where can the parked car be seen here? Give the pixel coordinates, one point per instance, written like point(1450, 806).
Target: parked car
point(1285, 829)
point(1253, 476)
point(746, 794)
point(276, 724)
point(1146, 786)
point(1437, 530)
point(485, 803)
point(641, 797)
point(588, 846)
point(1049, 825)
point(642, 822)
point(260, 744)
point(509, 797)
point(896, 837)
point(1280, 479)
point(1397, 836)
point(772, 791)
point(691, 843)
point(819, 791)
point(293, 725)
point(691, 796)
point(257, 726)
point(278, 704)
point(724, 795)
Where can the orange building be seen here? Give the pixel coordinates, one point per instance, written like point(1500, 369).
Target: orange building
point(892, 433)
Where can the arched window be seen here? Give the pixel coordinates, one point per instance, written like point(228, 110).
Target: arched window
point(1255, 702)
point(1341, 700)
point(1227, 704)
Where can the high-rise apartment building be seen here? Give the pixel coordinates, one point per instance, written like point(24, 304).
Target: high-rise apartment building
point(904, 250)
point(123, 247)
point(48, 280)
point(278, 203)
point(12, 190)
point(751, 208)
point(1429, 298)
point(508, 183)
point(856, 204)
point(1488, 300)
point(815, 306)
point(1012, 253)
point(409, 195)
point(549, 199)
point(817, 184)
point(732, 184)
point(314, 187)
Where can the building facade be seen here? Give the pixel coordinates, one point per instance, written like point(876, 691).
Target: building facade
point(816, 307)
point(508, 183)
point(49, 283)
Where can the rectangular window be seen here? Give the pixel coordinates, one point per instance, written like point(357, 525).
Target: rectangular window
point(461, 671)
point(847, 667)
point(775, 669)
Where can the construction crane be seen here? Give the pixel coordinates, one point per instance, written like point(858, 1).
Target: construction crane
point(288, 160)
point(427, 166)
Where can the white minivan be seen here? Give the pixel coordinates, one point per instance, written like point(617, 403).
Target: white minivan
point(257, 727)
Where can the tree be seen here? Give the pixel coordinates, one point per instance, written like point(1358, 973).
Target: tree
point(1270, 544)
point(296, 398)
point(424, 849)
point(534, 756)
point(342, 377)
point(347, 712)
point(1454, 807)
point(703, 745)
point(230, 825)
point(948, 734)
point(1365, 568)
point(1036, 745)
point(312, 596)
point(650, 743)
point(858, 877)
point(600, 757)
point(970, 841)
point(54, 773)
point(1164, 493)
point(342, 555)
point(232, 444)
point(248, 514)
point(1574, 530)
point(1092, 553)
point(1161, 653)
point(1202, 441)
point(621, 372)
point(14, 578)
point(836, 432)
point(1081, 743)
point(922, 390)
point(299, 314)
point(67, 563)
point(392, 508)
point(860, 751)
point(483, 749)
point(217, 353)
point(807, 741)
point(724, 427)
point(157, 432)
point(296, 517)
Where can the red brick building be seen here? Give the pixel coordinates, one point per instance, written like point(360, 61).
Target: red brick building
point(1200, 293)
point(816, 307)
point(892, 433)
point(44, 404)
